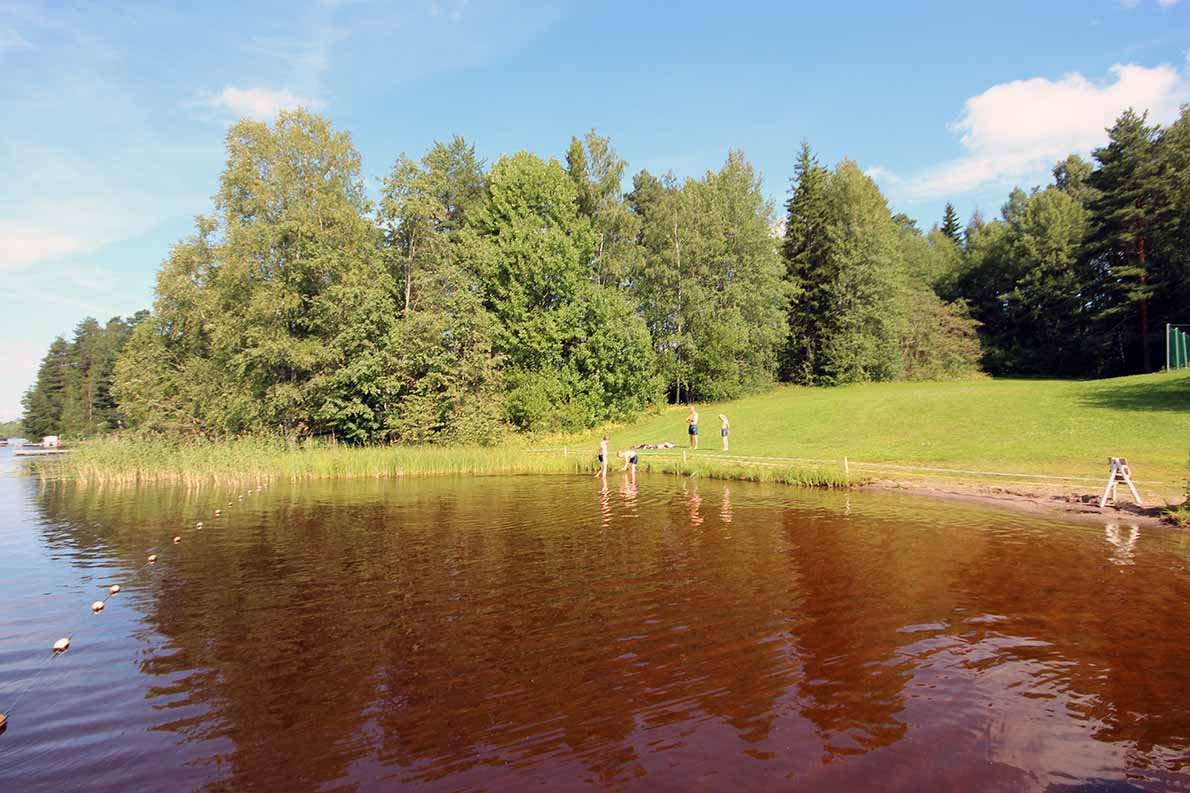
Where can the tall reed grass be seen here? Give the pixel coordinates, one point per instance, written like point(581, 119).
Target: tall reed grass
point(142, 460)
point(123, 461)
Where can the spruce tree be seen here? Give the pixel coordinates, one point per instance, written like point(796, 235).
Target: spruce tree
point(804, 250)
point(43, 403)
point(951, 226)
point(1122, 211)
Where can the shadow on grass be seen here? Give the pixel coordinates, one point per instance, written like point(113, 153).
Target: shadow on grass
point(1169, 395)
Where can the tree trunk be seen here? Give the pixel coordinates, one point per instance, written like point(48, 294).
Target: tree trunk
point(1146, 358)
point(409, 277)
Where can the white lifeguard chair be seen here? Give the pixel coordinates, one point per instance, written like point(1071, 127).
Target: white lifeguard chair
point(1119, 473)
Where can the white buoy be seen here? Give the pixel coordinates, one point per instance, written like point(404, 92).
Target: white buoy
point(198, 525)
point(114, 588)
point(177, 540)
point(218, 512)
point(152, 558)
point(97, 606)
point(61, 645)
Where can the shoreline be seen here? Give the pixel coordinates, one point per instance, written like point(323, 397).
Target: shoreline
point(125, 463)
point(1064, 505)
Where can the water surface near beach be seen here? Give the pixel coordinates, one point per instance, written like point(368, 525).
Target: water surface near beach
point(550, 633)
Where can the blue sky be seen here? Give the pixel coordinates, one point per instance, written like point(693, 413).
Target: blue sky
point(112, 114)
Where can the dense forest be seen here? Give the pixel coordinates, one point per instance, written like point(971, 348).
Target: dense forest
point(73, 392)
point(537, 294)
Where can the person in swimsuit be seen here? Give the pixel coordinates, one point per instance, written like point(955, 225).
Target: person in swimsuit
point(723, 429)
point(602, 458)
point(692, 428)
point(630, 459)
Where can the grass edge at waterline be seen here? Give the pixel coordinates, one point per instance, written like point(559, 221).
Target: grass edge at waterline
point(130, 461)
point(795, 475)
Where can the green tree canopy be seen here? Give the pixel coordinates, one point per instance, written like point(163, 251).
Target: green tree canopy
point(533, 252)
point(274, 316)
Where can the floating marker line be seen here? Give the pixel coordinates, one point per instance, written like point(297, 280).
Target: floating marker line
point(96, 608)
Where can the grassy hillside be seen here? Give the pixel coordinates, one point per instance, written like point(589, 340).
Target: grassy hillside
point(1051, 427)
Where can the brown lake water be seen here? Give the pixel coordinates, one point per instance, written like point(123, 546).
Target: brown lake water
point(545, 633)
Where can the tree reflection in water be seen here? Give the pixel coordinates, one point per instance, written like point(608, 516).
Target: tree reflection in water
point(552, 632)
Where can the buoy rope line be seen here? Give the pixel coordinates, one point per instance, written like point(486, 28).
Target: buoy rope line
point(62, 645)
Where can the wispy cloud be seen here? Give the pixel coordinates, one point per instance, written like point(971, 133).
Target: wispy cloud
point(25, 244)
point(883, 175)
point(1018, 129)
point(453, 9)
point(11, 40)
point(257, 103)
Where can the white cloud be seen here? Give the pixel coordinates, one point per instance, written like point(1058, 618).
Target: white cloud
point(11, 40)
point(258, 103)
point(1019, 129)
point(22, 244)
point(53, 228)
point(1167, 3)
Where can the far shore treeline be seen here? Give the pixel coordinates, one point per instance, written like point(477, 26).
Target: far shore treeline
point(537, 295)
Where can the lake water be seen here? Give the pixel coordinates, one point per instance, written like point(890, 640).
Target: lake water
point(544, 633)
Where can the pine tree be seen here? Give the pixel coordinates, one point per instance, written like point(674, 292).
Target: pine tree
point(951, 226)
point(1122, 211)
point(846, 274)
point(43, 403)
point(805, 252)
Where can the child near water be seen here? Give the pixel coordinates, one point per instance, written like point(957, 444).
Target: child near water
point(723, 429)
point(692, 426)
point(602, 458)
point(630, 459)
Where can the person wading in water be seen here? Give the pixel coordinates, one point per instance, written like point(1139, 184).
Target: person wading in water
point(602, 458)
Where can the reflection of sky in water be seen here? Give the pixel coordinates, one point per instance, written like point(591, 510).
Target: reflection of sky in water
point(570, 633)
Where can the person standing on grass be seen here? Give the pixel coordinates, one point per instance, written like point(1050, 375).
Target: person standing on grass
point(692, 426)
point(602, 457)
point(723, 429)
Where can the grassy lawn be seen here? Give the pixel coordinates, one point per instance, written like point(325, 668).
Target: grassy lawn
point(1051, 427)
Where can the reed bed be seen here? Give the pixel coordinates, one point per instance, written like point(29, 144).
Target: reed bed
point(127, 461)
point(244, 460)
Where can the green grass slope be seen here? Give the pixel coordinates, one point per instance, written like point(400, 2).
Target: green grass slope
point(1048, 427)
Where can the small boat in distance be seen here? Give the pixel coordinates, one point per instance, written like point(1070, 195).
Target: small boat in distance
point(50, 444)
